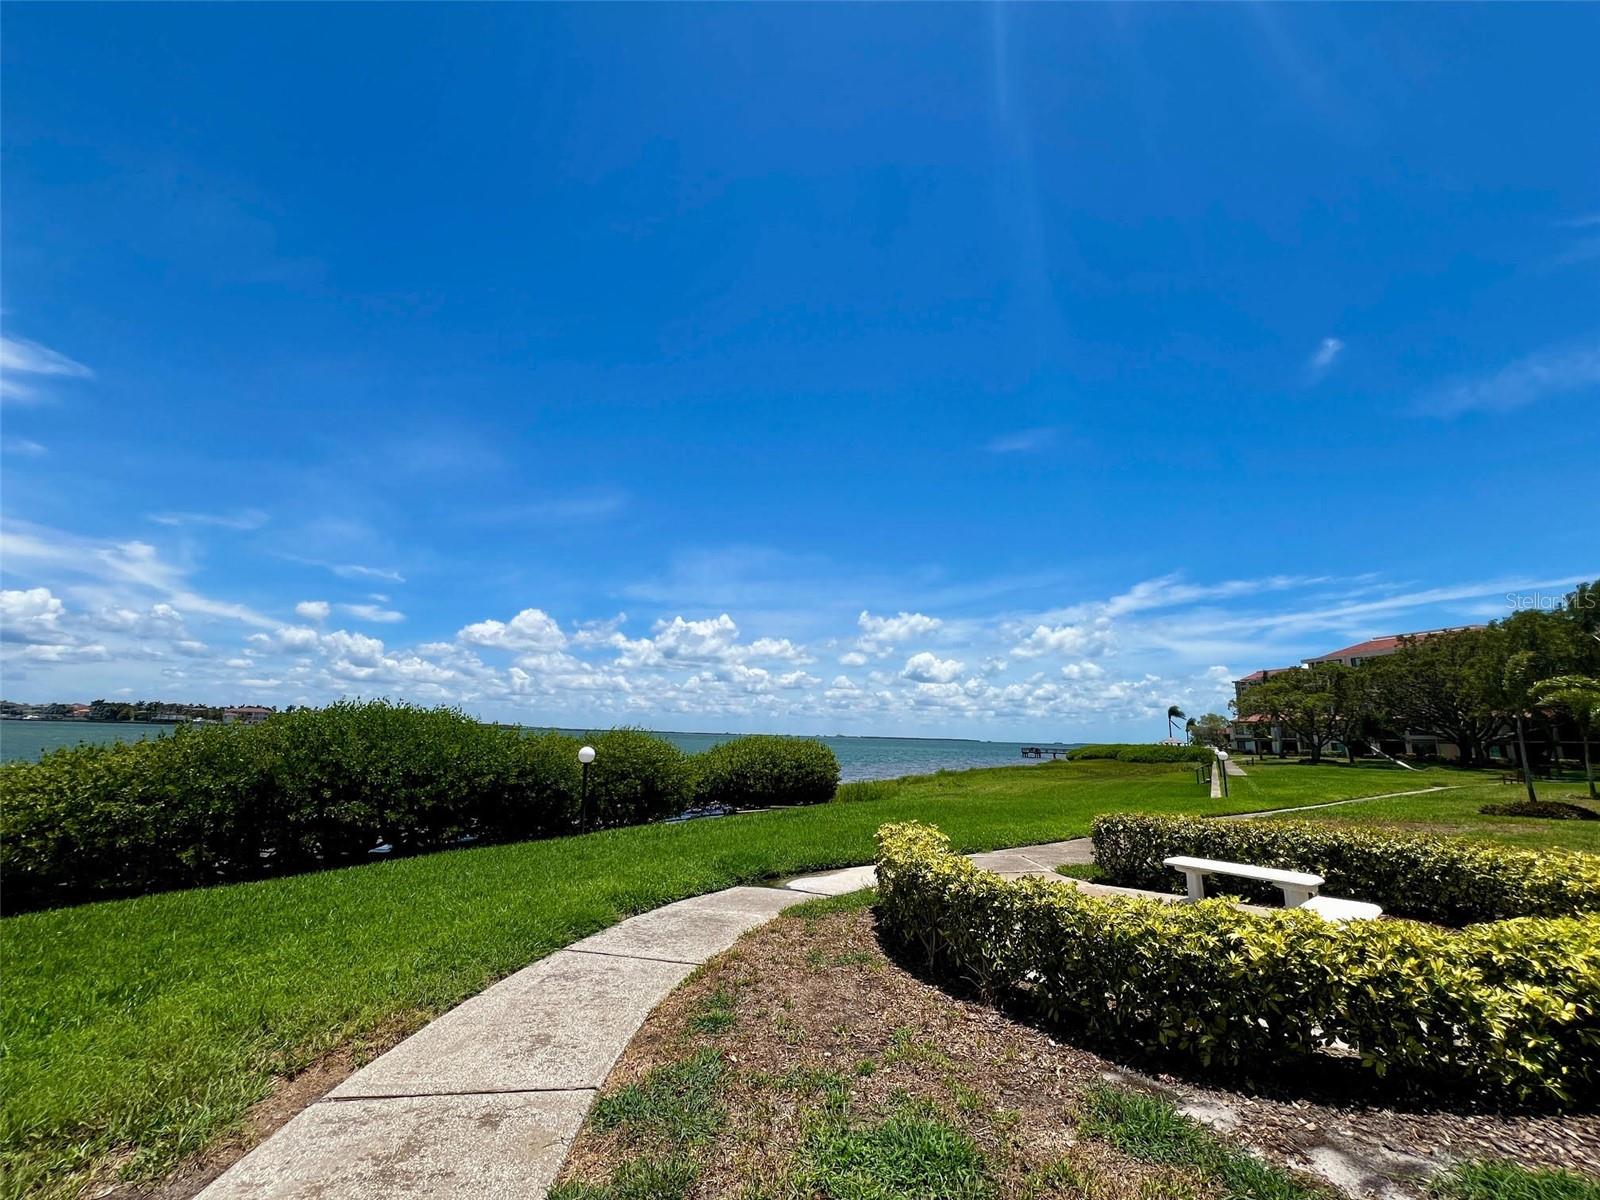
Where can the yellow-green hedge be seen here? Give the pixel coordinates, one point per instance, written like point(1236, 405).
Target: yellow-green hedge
point(1449, 880)
point(1509, 1010)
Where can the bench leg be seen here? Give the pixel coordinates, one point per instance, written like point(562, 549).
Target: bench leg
point(1195, 882)
point(1294, 897)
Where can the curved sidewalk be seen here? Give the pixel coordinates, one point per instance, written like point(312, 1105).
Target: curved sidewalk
point(484, 1101)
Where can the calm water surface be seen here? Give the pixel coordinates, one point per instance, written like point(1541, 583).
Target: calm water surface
point(859, 757)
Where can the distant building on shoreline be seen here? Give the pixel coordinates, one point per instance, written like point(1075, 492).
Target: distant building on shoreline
point(246, 714)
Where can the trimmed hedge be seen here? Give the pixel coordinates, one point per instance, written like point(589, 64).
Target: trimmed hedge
point(1448, 880)
point(764, 771)
point(1135, 753)
point(1508, 1011)
point(636, 776)
point(322, 787)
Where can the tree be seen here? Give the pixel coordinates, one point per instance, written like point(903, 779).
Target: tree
point(1174, 713)
point(1303, 702)
point(1579, 696)
point(1209, 730)
point(1448, 685)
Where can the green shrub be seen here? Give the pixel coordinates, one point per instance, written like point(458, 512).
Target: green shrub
point(636, 777)
point(1508, 1010)
point(305, 789)
point(1135, 753)
point(1553, 810)
point(1449, 880)
point(765, 771)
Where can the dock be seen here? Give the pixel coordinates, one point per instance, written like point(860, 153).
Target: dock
point(1052, 752)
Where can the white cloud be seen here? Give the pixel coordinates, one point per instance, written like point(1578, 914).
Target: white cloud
point(313, 610)
point(31, 615)
point(1327, 351)
point(530, 629)
point(25, 448)
point(1089, 637)
point(128, 569)
point(373, 612)
point(1536, 377)
point(18, 356)
point(879, 635)
point(1022, 441)
point(853, 658)
point(927, 667)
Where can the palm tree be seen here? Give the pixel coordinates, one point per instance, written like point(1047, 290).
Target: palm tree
point(1188, 730)
point(1174, 713)
point(1580, 696)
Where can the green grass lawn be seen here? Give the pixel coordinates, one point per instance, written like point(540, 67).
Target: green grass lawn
point(1455, 812)
point(135, 1031)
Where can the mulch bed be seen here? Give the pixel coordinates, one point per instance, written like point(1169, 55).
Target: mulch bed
point(817, 996)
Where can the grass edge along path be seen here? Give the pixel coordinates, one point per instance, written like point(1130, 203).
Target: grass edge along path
point(135, 1032)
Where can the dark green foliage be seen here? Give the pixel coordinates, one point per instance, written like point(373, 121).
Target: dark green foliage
point(1152, 1129)
point(636, 777)
point(1448, 880)
point(1507, 1181)
point(1508, 1010)
point(1142, 754)
point(764, 771)
point(305, 789)
point(1553, 810)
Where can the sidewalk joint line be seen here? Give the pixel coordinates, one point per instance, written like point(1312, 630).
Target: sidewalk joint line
point(687, 962)
point(529, 1091)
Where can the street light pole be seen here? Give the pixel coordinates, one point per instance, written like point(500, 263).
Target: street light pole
point(585, 756)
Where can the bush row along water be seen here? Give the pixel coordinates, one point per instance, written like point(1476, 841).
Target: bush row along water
point(1124, 752)
point(1448, 880)
point(1508, 1010)
point(317, 787)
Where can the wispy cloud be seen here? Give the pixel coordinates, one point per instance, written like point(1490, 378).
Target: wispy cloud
point(116, 568)
point(1536, 377)
point(361, 571)
point(1325, 355)
point(18, 356)
point(24, 448)
point(373, 612)
point(244, 520)
point(350, 570)
point(1022, 442)
point(581, 506)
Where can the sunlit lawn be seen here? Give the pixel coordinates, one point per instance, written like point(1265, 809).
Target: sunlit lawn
point(1455, 812)
point(143, 1028)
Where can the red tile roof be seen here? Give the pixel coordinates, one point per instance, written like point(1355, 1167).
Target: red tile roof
point(1258, 676)
point(1383, 645)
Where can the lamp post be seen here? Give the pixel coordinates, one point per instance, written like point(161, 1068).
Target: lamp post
point(1222, 765)
point(585, 756)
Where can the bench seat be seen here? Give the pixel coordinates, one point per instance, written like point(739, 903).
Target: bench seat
point(1297, 886)
point(1333, 908)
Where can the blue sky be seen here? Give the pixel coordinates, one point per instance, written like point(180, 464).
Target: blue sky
point(1008, 371)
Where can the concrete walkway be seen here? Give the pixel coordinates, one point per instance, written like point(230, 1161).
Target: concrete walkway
point(484, 1101)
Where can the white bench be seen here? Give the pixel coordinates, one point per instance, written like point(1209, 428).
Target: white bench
point(1300, 888)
